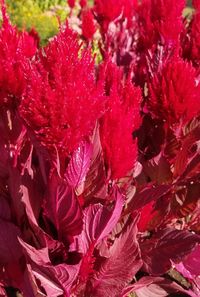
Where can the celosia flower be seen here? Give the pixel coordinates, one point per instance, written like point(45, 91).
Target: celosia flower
point(129, 12)
point(173, 92)
point(15, 48)
point(33, 33)
point(88, 24)
point(166, 16)
point(160, 21)
point(196, 5)
point(83, 3)
point(146, 30)
point(119, 122)
point(71, 3)
point(62, 102)
point(107, 11)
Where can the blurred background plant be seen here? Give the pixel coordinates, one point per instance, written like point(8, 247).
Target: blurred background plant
point(42, 15)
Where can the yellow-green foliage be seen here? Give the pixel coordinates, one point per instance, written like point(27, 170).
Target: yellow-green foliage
point(47, 4)
point(39, 14)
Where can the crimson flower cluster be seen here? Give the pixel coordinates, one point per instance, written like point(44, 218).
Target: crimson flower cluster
point(61, 103)
point(120, 121)
point(15, 50)
point(100, 154)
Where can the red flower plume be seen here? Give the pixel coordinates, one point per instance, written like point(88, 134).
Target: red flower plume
point(62, 101)
point(173, 92)
point(160, 21)
point(196, 5)
point(88, 24)
point(83, 3)
point(166, 16)
point(119, 122)
point(71, 3)
point(15, 49)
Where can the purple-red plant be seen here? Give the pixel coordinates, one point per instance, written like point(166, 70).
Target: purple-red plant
point(100, 162)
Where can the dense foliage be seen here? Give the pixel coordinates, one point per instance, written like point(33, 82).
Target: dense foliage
point(100, 162)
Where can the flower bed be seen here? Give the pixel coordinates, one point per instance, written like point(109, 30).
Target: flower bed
point(100, 153)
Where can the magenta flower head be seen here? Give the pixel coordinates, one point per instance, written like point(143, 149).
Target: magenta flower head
point(173, 92)
point(88, 24)
point(108, 11)
point(71, 3)
point(119, 122)
point(196, 5)
point(62, 101)
point(15, 50)
point(83, 3)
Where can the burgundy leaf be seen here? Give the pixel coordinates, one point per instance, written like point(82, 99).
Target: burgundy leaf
point(2, 292)
point(63, 210)
point(29, 287)
point(99, 221)
point(193, 167)
point(155, 287)
point(3, 160)
point(48, 284)
point(191, 262)
point(25, 159)
point(158, 169)
point(5, 213)
point(143, 282)
point(165, 245)
point(35, 188)
point(36, 233)
point(190, 267)
point(10, 249)
point(120, 268)
point(54, 279)
point(184, 157)
point(28, 206)
point(95, 183)
point(79, 165)
point(148, 194)
point(183, 271)
point(14, 184)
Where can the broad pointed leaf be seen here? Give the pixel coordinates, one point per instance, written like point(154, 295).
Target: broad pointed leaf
point(156, 287)
point(190, 267)
point(95, 183)
point(29, 286)
point(185, 157)
point(56, 280)
point(158, 169)
point(120, 268)
point(99, 221)
point(5, 212)
point(148, 194)
point(10, 249)
point(165, 245)
point(63, 210)
point(79, 165)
